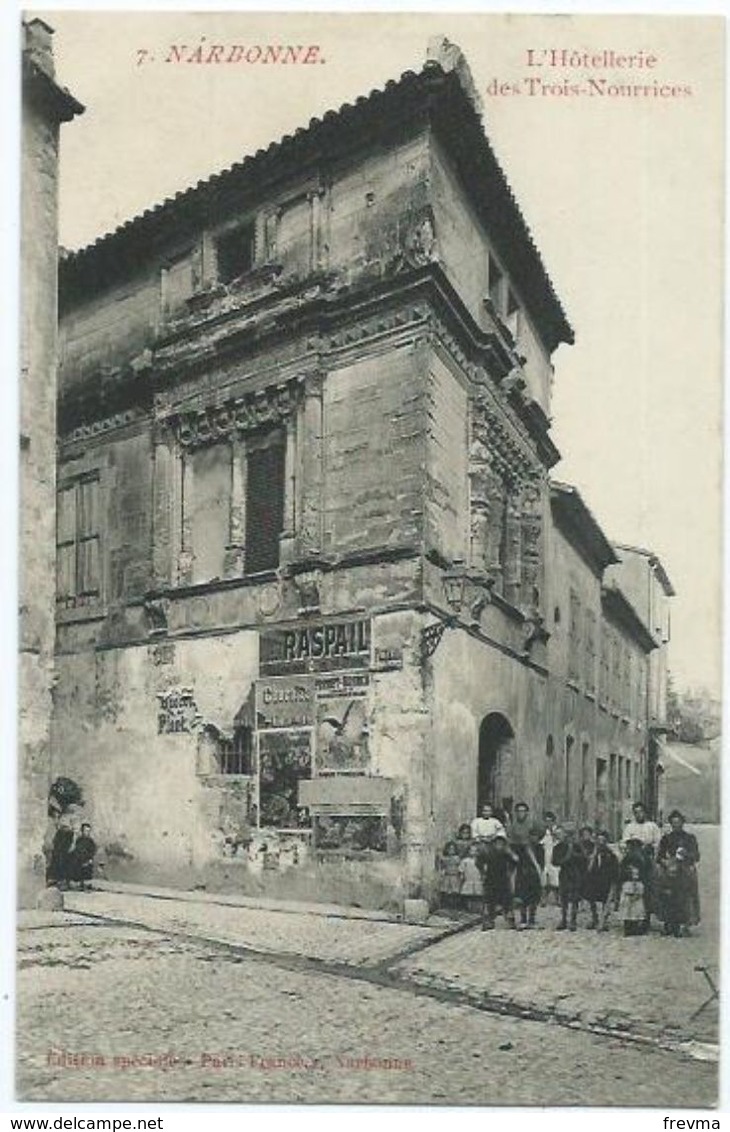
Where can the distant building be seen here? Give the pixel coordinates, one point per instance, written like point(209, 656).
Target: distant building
point(691, 780)
point(317, 596)
point(45, 106)
point(642, 577)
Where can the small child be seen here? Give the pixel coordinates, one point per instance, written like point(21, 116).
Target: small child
point(472, 888)
point(463, 840)
point(450, 876)
point(631, 907)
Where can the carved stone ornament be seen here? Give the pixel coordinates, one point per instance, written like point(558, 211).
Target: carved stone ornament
point(156, 617)
point(420, 241)
point(308, 589)
point(236, 417)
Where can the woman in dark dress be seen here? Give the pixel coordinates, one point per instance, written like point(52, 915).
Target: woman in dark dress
point(528, 877)
point(679, 838)
point(59, 864)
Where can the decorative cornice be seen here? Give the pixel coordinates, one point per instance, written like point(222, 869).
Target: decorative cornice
point(236, 417)
point(103, 425)
point(319, 318)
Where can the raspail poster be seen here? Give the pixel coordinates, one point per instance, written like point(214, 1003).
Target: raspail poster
point(394, 339)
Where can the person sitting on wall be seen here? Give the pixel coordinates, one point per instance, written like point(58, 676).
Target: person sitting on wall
point(498, 881)
point(486, 827)
point(82, 858)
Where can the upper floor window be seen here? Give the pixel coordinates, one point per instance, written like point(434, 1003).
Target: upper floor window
point(181, 278)
point(575, 641)
point(235, 252)
point(514, 313)
point(78, 558)
point(497, 283)
point(265, 484)
point(590, 650)
point(233, 506)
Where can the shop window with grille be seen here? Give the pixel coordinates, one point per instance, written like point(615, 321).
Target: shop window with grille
point(236, 754)
point(78, 555)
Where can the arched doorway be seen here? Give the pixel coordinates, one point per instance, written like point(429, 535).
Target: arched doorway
point(496, 770)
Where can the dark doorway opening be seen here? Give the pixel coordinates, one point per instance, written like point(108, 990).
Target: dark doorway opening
point(495, 773)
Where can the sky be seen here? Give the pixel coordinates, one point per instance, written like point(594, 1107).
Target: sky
point(623, 193)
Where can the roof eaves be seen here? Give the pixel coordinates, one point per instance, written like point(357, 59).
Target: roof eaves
point(655, 563)
point(479, 162)
point(63, 102)
point(616, 601)
point(582, 526)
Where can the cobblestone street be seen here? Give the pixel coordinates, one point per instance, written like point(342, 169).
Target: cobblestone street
point(222, 990)
point(112, 992)
point(648, 985)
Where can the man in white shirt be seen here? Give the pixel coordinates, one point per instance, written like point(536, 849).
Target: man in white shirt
point(639, 829)
point(486, 827)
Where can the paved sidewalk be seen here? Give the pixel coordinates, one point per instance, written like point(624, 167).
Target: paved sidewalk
point(645, 985)
point(307, 935)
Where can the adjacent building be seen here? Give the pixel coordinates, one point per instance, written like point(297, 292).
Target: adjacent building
point(317, 595)
point(45, 106)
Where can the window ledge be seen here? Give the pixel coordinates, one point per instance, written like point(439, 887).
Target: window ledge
point(218, 778)
point(190, 589)
point(83, 613)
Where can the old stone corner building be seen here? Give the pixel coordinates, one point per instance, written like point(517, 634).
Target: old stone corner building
point(317, 595)
point(46, 106)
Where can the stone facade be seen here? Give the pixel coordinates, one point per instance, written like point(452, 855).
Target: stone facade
point(310, 558)
point(45, 107)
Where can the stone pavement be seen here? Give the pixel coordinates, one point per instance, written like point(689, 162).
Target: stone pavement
point(645, 986)
point(307, 935)
point(111, 1013)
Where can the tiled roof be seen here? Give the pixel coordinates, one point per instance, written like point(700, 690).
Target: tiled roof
point(432, 95)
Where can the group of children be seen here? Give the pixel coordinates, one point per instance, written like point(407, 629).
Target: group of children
point(510, 866)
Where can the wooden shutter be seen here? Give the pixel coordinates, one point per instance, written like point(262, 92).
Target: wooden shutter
point(264, 503)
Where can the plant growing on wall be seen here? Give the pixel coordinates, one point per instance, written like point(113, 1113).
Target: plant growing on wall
point(64, 793)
